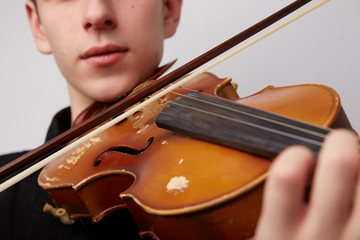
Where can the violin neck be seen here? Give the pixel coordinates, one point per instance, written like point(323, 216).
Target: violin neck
point(238, 126)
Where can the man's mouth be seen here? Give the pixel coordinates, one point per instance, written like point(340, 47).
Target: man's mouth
point(104, 55)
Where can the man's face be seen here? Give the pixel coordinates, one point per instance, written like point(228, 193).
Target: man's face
point(102, 47)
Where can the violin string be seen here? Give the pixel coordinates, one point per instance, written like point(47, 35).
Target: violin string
point(273, 130)
point(298, 128)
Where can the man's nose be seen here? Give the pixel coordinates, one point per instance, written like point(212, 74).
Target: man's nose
point(98, 15)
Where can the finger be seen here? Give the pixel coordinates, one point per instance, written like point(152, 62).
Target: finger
point(284, 193)
point(352, 230)
point(333, 188)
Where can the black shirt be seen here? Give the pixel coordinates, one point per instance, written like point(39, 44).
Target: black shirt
point(21, 215)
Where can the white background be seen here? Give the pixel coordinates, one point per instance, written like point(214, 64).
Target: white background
point(322, 47)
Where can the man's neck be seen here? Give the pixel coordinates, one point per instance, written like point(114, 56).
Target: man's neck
point(78, 103)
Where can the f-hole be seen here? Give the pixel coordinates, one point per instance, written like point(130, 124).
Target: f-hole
point(124, 150)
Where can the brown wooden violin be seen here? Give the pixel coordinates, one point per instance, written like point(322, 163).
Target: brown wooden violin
point(178, 187)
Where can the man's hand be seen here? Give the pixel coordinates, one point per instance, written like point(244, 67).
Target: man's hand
point(333, 209)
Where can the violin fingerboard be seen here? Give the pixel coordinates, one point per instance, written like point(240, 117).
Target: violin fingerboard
point(237, 126)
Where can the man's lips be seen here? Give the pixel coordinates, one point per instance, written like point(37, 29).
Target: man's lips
point(103, 56)
point(98, 51)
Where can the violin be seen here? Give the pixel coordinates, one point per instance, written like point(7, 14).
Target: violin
point(176, 186)
point(184, 184)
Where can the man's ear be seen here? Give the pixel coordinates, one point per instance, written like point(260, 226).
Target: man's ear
point(40, 38)
point(172, 10)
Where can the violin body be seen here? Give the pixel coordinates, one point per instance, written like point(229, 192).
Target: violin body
point(177, 187)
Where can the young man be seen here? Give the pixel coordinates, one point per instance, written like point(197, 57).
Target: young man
point(104, 49)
